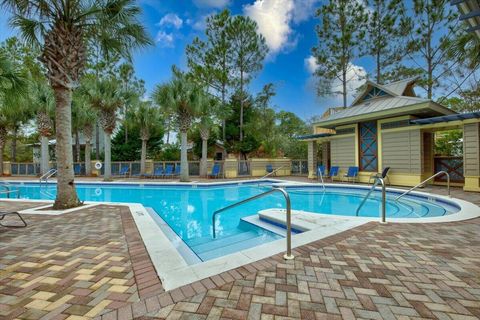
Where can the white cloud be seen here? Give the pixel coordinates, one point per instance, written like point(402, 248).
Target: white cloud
point(273, 18)
point(172, 20)
point(304, 9)
point(311, 64)
point(200, 23)
point(164, 39)
point(211, 3)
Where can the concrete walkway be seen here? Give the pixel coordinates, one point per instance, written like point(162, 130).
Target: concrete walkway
point(92, 263)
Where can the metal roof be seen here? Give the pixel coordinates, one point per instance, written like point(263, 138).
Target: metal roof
point(314, 136)
point(398, 87)
point(470, 13)
point(375, 105)
point(452, 117)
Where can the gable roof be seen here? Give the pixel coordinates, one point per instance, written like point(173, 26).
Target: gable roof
point(398, 100)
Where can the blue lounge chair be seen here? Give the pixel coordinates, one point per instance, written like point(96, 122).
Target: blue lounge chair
point(168, 171)
point(333, 172)
point(77, 169)
point(383, 174)
point(124, 170)
point(158, 172)
point(215, 171)
point(352, 174)
point(320, 170)
point(177, 170)
point(269, 168)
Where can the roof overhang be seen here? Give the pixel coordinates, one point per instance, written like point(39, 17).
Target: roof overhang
point(311, 137)
point(470, 13)
point(423, 108)
point(449, 118)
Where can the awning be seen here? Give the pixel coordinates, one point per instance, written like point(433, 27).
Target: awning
point(452, 117)
point(314, 136)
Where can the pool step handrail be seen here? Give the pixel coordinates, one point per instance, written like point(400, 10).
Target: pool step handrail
point(288, 255)
point(270, 173)
point(7, 186)
point(384, 198)
point(321, 178)
point(47, 175)
point(439, 173)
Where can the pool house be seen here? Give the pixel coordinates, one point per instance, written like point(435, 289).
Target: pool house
point(390, 126)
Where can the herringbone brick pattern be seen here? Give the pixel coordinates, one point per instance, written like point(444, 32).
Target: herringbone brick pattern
point(74, 265)
point(386, 272)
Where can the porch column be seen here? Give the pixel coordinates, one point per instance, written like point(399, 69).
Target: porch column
point(471, 156)
point(312, 159)
point(325, 154)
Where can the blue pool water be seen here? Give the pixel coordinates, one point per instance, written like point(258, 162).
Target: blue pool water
point(188, 209)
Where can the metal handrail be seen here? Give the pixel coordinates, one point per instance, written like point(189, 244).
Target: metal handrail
point(8, 191)
point(270, 173)
point(48, 175)
point(288, 255)
point(384, 198)
point(321, 178)
point(425, 181)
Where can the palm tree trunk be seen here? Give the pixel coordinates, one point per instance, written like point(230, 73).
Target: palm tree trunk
point(2, 146)
point(44, 155)
point(183, 157)
point(88, 158)
point(107, 175)
point(66, 193)
point(14, 145)
point(143, 157)
point(97, 141)
point(203, 161)
point(77, 146)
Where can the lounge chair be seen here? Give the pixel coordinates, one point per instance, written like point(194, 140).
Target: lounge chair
point(158, 172)
point(77, 170)
point(269, 169)
point(333, 172)
point(124, 170)
point(320, 171)
point(168, 171)
point(352, 174)
point(383, 174)
point(215, 171)
point(177, 170)
point(4, 214)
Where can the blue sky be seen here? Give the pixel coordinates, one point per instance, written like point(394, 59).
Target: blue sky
point(288, 26)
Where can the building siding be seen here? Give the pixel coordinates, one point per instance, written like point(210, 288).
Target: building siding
point(343, 152)
point(471, 146)
point(402, 151)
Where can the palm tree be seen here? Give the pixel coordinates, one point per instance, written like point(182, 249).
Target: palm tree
point(147, 118)
point(12, 85)
point(84, 119)
point(62, 29)
point(43, 104)
point(206, 125)
point(106, 96)
point(184, 98)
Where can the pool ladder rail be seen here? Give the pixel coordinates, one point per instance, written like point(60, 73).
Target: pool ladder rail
point(320, 176)
point(425, 181)
point(288, 255)
point(270, 173)
point(8, 189)
point(47, 175)
point(384, 197)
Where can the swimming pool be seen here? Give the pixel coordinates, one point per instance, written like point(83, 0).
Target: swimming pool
point(188, 209)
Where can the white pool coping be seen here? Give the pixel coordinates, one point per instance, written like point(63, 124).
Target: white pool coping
point(175, 272)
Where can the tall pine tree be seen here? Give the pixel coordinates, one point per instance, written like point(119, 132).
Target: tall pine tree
point(340, 33)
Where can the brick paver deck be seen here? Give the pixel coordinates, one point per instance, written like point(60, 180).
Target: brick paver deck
point(92, 262)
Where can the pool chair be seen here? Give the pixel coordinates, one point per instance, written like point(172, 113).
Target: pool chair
point(320, 171)
point(158, 172)
point(383, 175)
point(352, 174)
point(215, 171)
point(77, 170)
point(333, 172)
point(168, 171)
point(177, 170)
point(3, 214)
point(124, 170)
point(269, 169)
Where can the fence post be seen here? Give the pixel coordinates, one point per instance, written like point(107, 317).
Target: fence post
point(231, 168)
